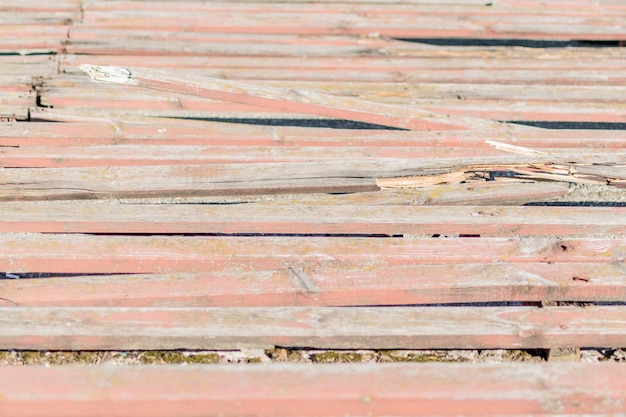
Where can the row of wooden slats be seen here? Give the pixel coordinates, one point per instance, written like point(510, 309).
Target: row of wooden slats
point(151, 231)
point(323, 390)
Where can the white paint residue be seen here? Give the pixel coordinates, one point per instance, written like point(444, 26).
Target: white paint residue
point(514, 149)
point(109, 74)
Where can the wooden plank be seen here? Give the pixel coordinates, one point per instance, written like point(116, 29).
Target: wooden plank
point(147, 155)
point(99, 328)
point(80, 96)
point(283, 390)
point(355, 68)
point(247, 179)
point(413, 22)
point(302, 219)
point(21, 253)
point(234, 285)
point(112, 131)
point(32, 39)
point(281, 99)
point(454, 8)
point(481, 193)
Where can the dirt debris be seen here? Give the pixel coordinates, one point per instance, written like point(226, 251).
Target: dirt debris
point(280, 354)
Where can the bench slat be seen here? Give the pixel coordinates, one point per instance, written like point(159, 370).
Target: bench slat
point(237, 286)
point(304, 390)
point(100, 328)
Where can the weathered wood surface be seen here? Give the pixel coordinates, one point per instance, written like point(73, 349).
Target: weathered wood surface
point(403, 21)
point(302, 219)
point(287, 390)
point(290, 100)
point(57, 253)
point(313, 61)
point(99, 328)
point(343, 284)
point(254, 178)
point(151, 131)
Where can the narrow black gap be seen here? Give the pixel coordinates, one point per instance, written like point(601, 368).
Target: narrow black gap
point(323, 123)
point(35, 275)
point(475, 304)
point(577, 203)
point(526, 43)
point(571, 125)
point(27, 54)
point(355, 235)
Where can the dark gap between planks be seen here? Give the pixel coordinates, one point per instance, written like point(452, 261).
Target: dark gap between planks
point(526, 43)
point(556, 125)
point(318, 123)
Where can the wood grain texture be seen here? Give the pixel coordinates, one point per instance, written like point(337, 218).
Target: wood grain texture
point(49, 253)
point(290, 100)
point(301, 219)
point(304, 390)
point(251, 178)
point(99, 328)
point(293, 283)
point(400, 21)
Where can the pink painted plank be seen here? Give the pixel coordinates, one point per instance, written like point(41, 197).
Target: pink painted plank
point(281, 390)
point(285, 100)
point(234, 286)
point(187, 132)
point(20, 253)
point(413, 22)
point(32, 38)
point(453, 8)
point(146, 155)
point(79, 96)
point(285, 68)
point(292, 217)
point(99, 328)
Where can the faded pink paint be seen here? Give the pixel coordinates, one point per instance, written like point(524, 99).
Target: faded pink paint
point(304, 390)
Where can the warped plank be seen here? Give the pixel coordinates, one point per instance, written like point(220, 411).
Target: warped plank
point(282, 99)
point(246, 179)
point(57, 253)
point(230, 286)
point(69, 95)
point(283, 390)
point(472, 193)
point(302, 219)
point(118, 328)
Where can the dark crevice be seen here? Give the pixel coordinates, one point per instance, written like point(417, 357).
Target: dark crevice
point(12, 53)
point(319, 123)
point(35, 275)
point(556, 125)
point(348, 235)
point(578, 203)
point(526, 43)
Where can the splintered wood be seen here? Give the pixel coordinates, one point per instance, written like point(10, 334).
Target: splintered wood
point(357, 174)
